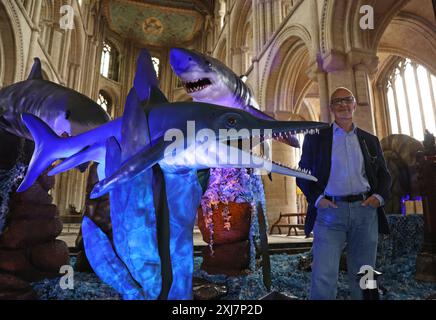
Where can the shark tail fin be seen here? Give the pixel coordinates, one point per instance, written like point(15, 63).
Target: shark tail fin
point(46, 145)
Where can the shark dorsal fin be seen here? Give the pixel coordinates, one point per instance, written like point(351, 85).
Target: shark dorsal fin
point(113, 156)
point(36, 72)
point(134, 129)
point(145, 75)
point(156, 96)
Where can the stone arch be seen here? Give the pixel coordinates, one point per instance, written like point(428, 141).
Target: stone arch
point(7, 57)
point(410, 36)
point(340, 28)
point(240, 16)
point(310, 106)
point(115, 103)
point(332, 25)
point(385, 11)
point(10, 25)
point(284, 79)
point(306, 112)
point(241, 41)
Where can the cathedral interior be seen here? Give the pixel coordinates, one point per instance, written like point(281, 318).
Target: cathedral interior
point(292, 55)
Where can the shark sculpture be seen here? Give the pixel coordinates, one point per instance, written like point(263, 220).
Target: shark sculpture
point(154, 195)
point(208, 80)
point(66, 111)
point(195, 154)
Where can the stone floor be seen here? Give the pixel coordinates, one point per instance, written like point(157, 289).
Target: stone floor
point(397, 283)
point(396, 260)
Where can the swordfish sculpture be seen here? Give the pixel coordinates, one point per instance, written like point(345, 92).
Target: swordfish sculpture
point(138, 146)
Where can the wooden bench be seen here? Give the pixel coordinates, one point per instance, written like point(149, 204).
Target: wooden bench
point(284, 221)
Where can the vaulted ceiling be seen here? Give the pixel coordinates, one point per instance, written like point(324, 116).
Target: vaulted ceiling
point(157, 22)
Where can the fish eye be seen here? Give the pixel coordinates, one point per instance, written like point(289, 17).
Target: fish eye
point(208, 63)
point(67, 114)
point(231, 121)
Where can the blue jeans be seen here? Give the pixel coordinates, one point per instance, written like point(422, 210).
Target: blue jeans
point(350, 226)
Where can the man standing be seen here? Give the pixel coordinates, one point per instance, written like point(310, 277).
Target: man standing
point(345, 204)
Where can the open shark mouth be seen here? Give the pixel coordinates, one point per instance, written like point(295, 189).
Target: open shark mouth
point(286, 135)
point(296, 170)
point(197, 85)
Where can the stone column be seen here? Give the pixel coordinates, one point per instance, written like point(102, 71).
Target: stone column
point(28, 7)
point(277, 13)
point(239, 59)
point(259, 15)
point(364, 115)
point(315, 73)
point(325, 115)
point(221, 13)
point(35, 33)
point(280, 193)
point(381, 116)
point(267, 5)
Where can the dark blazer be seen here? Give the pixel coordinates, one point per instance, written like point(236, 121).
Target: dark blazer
point(317, 153)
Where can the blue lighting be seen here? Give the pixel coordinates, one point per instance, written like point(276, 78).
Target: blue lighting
point(152, 246)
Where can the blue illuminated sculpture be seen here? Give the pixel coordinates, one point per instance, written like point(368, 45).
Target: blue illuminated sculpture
point(154, 192)
point(208, 80)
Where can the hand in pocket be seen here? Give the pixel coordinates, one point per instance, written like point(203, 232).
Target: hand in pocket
point(371, 202)
point(324, 203)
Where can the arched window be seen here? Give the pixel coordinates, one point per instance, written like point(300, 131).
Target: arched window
point(109, 66)
point(410, 91)
point(105, 101)
point(156, 65)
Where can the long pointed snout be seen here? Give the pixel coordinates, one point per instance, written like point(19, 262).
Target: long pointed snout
point(181, 60)
point(292, 127)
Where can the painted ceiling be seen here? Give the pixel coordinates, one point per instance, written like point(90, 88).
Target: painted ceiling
point(157, 23)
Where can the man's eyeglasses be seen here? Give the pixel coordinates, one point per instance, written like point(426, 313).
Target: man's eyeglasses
point(345, 100)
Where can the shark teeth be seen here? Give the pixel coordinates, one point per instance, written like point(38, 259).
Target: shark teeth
point(288, 134)
point(298, 169)
point(196, 85)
